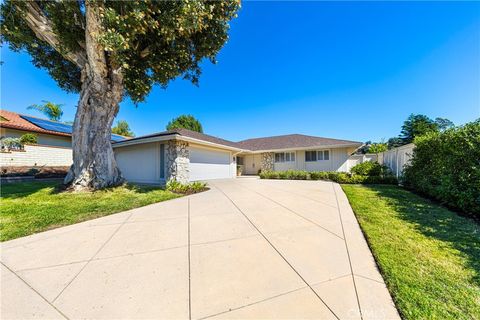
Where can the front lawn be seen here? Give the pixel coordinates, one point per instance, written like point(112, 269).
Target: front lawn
point(31, 207)
point(429, 256)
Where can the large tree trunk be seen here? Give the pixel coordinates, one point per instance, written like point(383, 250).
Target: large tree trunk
point(94, 165)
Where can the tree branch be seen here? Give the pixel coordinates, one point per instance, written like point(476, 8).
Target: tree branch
point(42, 27)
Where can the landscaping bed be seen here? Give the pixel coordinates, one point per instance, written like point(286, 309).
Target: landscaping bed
point(429, 256)
point(367, 172)
point(36, 172)
point(32, 207)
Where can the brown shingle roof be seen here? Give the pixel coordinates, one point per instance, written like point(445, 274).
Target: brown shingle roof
point(190, 134)
point(14, 121)
point(291, 141)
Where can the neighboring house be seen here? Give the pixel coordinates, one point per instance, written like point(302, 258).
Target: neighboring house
point(186, 155)
point(54, 141)
point(15, 125)
point(48, 132)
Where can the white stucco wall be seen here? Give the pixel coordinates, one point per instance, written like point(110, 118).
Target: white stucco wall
point(337, 161)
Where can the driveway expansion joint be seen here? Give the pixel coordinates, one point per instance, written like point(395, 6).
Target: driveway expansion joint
point(279, 253)
point(38, 293)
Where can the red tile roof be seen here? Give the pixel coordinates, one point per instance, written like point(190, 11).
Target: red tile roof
point(13, 120)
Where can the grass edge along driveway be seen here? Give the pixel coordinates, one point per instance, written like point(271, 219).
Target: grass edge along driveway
point(32, 207)
point(428, 255)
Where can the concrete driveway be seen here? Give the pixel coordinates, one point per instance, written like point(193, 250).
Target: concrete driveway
point(246, 249)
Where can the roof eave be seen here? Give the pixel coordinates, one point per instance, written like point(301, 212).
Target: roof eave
point(172, 136)
point(334, 146)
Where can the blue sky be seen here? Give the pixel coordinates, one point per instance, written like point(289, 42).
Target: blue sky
point(332, 69)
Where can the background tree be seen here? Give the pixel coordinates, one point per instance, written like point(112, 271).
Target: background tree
point(122, 128)
point(444, 124)
point(377, 147)
point(394, 142)
point(185, 121)
point(53, 111)
point(108, 49)
point(416, 125)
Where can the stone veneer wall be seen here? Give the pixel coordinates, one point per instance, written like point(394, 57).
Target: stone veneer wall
point(268, 159)
point(178, 161)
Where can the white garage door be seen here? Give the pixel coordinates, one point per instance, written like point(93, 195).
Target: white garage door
point(208, 164)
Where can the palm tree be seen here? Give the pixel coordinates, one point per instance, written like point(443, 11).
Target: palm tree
point(53, 111)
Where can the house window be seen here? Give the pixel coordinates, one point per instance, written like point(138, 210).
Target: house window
point(323, 155)
point(240, 160)
point(310, 156)
point(284, 157)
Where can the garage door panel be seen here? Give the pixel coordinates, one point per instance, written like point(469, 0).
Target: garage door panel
point(209, 164)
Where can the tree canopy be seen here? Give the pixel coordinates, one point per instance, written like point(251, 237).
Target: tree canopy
point(185, 121)
point(150, 42)
point(52, 111)
point(122, 128)
point(107, 50)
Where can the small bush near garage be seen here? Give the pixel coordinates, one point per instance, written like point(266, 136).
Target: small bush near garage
point(446, 166)
point(186, 188)
point(340, 177)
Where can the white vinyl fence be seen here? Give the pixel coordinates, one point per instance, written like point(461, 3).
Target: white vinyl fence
point(37, 155)
point(355, 159)
point(397, 158)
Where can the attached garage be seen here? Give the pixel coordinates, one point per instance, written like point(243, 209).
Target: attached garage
point(206, 164)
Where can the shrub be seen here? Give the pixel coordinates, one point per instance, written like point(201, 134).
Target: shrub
point(446, 166)
point(319, 175)
point(29, 138)
point(369, 168)
point(7, 144)
point(186, 188)
point(340, 177)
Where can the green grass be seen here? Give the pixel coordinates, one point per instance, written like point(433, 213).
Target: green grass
point(429, 256)
point(32, 207)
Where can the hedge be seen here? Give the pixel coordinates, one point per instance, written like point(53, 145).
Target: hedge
point(340, 177)
point(446, 166)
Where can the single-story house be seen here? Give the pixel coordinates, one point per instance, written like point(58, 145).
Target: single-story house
point(186, 155)
point(48, 132)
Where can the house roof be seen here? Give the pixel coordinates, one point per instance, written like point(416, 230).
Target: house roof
point(187, 134)
point(292, 141)
point(13, 120)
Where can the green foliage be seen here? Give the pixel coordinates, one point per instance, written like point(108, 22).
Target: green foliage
point(122, 128)
point(444, 124)
point(29, 138)
point(8, 144)
point(186, 188)
point(151, 42)
point(417, 125)
point(340, 177)
point(429, 256)
point(377, 147)
point(53, 111)
point(446, 166)
point(33, 207)
point(370, 168)
point(394, 142)
point(185, 121)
